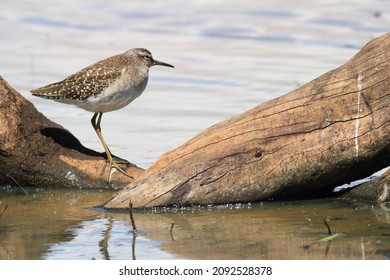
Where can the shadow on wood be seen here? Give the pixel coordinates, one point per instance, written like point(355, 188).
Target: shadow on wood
point(331, 131)
point(37, 152)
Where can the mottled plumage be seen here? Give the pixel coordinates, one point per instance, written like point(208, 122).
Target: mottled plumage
point(105, 86)
point(87, 82)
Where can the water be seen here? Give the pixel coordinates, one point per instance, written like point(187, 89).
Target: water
point(61, 224)
point(229, 56)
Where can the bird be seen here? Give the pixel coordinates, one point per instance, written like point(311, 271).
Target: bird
point(105, 86)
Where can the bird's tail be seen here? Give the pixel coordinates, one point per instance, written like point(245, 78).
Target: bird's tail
point(51, 91)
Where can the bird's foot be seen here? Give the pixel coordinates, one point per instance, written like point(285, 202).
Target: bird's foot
point(117, 160)
point(114, 165)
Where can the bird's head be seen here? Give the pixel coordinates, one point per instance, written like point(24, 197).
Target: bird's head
point(144, 57)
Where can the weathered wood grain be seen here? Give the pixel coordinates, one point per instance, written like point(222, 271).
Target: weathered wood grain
point(333, 130)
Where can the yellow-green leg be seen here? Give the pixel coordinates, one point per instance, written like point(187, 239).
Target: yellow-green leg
point(113, 164)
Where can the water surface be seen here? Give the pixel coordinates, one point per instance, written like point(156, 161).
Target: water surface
point(61, 224)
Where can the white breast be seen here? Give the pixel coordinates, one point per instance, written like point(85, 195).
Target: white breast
point(118, 95)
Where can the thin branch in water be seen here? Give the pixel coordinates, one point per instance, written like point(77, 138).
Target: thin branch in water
point(134, 229)
point(2, 211)
point(13, 179)
point(133, 246)
point(327, 239)
point(132, 217)
point(327, 225)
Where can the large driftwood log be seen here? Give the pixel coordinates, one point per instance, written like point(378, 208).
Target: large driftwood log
point(34, 151)
point(330, 131)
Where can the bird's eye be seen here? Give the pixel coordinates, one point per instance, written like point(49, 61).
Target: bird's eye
point(147, 57)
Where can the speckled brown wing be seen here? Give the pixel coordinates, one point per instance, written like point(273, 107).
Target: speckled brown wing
point(87, 82)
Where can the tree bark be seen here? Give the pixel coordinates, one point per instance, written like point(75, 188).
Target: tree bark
point(34, 151)
point(331, 131)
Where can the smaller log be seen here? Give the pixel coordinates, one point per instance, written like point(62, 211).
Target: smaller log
point(35, 151)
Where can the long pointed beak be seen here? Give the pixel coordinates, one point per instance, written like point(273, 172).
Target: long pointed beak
point(156, 62)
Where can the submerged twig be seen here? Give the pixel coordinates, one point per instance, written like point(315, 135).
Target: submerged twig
point(326, 239)
point(134, 230)
point(2, 211)
point(327, 225)
point(330, 236)
point(132, 217)
point(133, 246)
point(13, 179)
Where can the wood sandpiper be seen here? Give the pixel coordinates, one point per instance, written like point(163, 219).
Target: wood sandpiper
point(105, 86)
